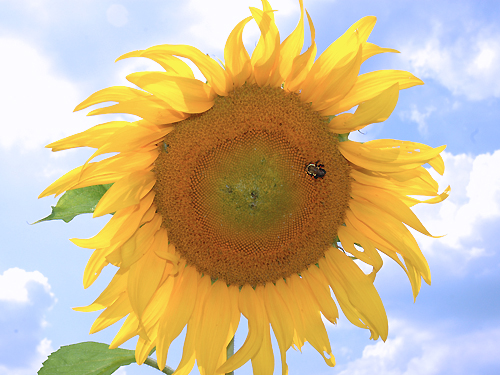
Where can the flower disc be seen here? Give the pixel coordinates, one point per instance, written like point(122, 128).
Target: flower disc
point(235, 192)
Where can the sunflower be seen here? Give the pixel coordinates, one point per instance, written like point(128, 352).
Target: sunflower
point(243, 195)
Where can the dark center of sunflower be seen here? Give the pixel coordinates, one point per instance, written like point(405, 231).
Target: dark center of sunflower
point(254, 189)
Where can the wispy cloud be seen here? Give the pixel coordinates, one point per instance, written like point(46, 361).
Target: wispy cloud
point(418, 350)
point(25, 297)
point(36, 103)
point(468, 66)
point(30, 367)
point(474, 200)
point(419, 117)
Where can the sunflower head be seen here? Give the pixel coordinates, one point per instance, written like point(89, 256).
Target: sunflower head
point(242, 194)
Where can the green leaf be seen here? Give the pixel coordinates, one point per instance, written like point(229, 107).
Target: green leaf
point(86, 358)
point(76, 202)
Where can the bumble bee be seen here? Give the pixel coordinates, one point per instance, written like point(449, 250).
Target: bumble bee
point(316, 170)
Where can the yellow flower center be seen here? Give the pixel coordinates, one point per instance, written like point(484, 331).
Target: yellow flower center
point(254, 189)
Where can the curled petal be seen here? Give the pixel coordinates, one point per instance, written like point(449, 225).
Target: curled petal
point(266, 54)
point(368, 86)
point(180, 93)
point(342, 49)
point(170, 63)
point(393, 159)
point(289, 51)
point(302, 64)
point(251, 306)
point(377, 109)
point(216, 77)
point(236, 56)
point(355, 292)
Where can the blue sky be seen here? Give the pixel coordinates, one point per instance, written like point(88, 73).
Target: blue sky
point(55, 53)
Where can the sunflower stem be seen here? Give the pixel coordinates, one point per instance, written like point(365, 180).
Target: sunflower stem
point(230, 352)
point(152, 362)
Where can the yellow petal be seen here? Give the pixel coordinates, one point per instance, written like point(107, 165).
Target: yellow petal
point(416, 181)
point(94, 267)
point(125, 192)
point(387, 202)
point(302, 64)
point(180, 93)
point(120, 308)
point(315, 331)
point(142, 138)
point(343, 48)
point(382, 245)
point(188, 353)
point(143, 280)
point(120, 227)
point(251, 306)
point(149, 108)
point(112, 94)
point(369, 85)
point(168, 62)
point(237, 59)
point(234, 294)
point(165, 251)
point(266, 54)
point(94, 137)
point(216, 77)
point(263, 361)
point(289, 51)
point(350, 237)
point(115, 288)
point(298, 323)
point(355, 289)
point(394, 232)
point(320, 290)
point(134, 102)
point(179, 310)
point(394, 159)
point(128, 330)
point(438, 164)
point(437, 199)
point(411, 147)
point(281, 320)
point(377, 109)
point(214, 325)
point(103, 172)
point(159, 302)
point(139, 244)
point(333, 86)
point(370, 49)
point(142, 350)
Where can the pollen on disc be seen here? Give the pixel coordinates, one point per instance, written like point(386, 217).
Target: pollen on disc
point(234, 193)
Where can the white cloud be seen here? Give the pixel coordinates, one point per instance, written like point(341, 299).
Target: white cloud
point(36, 104)
point(474, 201)
point(15, 282)
point(43, 349)
point(418, 117)
point(25, 298)
point(117, 15)
point(415, 351)
point(468, 66)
